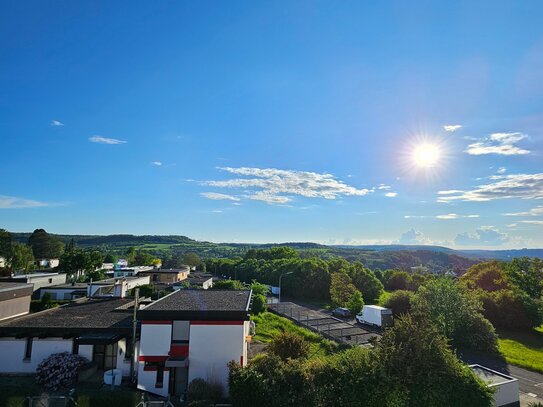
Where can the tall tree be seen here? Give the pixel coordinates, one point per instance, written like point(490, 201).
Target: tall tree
point(22, 258)
point(5, 244)
point(363, 279)
point(45, 246)
point(341, 289)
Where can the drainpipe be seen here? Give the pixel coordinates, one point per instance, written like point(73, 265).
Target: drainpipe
point(134, 327)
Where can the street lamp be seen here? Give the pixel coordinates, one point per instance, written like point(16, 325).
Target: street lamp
point(280, 277)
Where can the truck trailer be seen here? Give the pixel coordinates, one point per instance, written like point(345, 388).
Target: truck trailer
point(375, 315)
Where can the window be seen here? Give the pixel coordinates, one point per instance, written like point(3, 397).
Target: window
point(128, 351)
point(50, 281)
point(180, 331)
point(28, 349)
point(159, 377)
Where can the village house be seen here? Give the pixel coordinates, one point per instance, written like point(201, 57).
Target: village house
point(191, 334)
point(167, 276)
point(14, 299)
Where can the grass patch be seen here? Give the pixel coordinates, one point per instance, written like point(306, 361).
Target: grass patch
point(524, 349)
point(14, 390)
point(268, 325)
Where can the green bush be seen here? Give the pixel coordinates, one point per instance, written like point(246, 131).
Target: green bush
point(399, 302)
point(201, 390)
point(288, 345)
point(259, 304)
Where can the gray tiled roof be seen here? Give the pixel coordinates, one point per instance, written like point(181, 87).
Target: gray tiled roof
point(203, 300)
point(85, 314)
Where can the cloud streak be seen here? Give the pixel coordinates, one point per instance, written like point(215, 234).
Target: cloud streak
point(498, 143)
point(56, 123)
point(519, 186)
point(452, 127)
point(275, 186)
point(537, 211)
point(105, 140)
point(219, 197)
point(13, 202)
point(455, 216)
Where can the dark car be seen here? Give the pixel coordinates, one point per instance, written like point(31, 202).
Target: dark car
point(341, 312)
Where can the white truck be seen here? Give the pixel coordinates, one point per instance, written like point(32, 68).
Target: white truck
point(375, 315)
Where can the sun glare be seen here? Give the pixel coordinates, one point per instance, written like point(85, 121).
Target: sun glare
point(426, 155)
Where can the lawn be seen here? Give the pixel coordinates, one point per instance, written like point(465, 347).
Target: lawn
point(524, 349)
point(14, 389)
point(269, 325)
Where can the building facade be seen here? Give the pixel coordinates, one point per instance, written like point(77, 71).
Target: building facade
point(192, 334)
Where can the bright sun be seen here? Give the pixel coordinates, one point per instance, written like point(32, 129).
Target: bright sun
point(426, 155)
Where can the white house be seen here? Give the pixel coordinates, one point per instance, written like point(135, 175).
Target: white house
point(14, 299)
point(98, 329)
point(38, 280)
point(192, 334)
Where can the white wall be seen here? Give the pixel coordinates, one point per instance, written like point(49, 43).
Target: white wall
point(86, 351)
point(211, 347)
point(62, 294)
point(155, 339)
point(506, 393)
point(122, 362)
point(12, 352)
point(147, 380)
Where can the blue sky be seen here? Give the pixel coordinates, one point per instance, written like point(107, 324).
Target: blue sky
point(275, 121)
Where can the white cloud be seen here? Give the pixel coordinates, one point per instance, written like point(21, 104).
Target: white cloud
point(532, 222)
point(415, 216)
point(449, 192)
point(391, 194)
point(498, 143)
point(276, 186)
point(452, 127)
point(537, 211)
point(455, 216)
point(217, 197)
point(56, 123)
point(216, 211)
point(157, 163)
point(520, 186)
point(104, 140)
point(501, 170)
point(384, 186)
point(484, 236)
point(412, 236)
point(13, 202)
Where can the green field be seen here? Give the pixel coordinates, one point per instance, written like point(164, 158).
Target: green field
point(524, 349)
point(269, 325)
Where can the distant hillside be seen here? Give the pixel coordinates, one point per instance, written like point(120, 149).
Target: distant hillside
point(436, 258)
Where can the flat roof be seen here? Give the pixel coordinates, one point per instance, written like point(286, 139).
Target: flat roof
point(491, 377)
point(200, 305)
point(10, 290)
point(66, 286)
point(161, 270)
point(80, 316)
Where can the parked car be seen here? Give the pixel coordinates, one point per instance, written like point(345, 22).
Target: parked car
point(341, 312)
point(375, 315)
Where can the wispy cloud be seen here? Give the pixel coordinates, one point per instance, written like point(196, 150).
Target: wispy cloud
point(13, 202)
point(276, 186)
point(105, 140)
point(498, 143)
point(384, 187)
point(452, 127)
point(218, 197)
point(501, 170)
point(455, 216)
point(415, 216)
point(484, 236)
point(56, 123)
point(520, 186)
point(537, 211)
point(532, 222)
point(157, 163)
point(216, 211)
point(391, 194)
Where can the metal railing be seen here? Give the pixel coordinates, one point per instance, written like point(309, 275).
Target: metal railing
point(52, 401)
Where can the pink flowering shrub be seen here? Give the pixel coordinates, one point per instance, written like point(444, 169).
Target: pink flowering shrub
point(59, 370)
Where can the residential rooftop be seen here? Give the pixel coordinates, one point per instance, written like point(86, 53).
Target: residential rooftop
point(10, 290)
point(82, 315)
point(185, 269)
point(200, 304)
point(492, 377)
